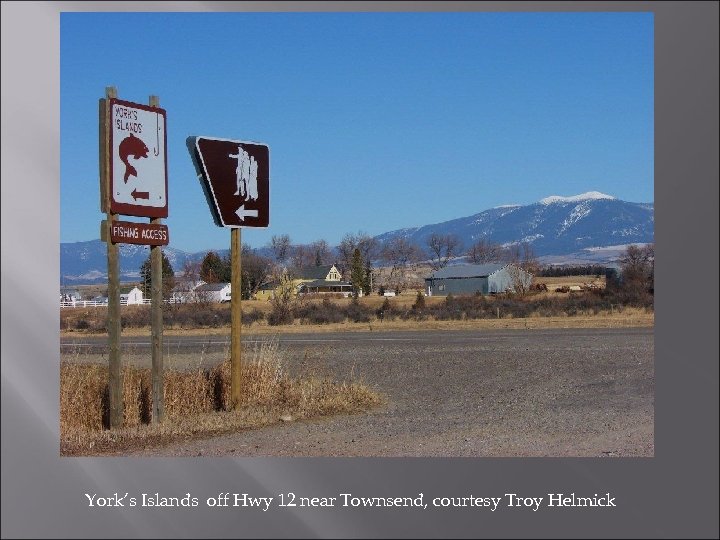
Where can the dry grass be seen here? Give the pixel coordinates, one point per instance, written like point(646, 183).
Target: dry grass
point(196, 402)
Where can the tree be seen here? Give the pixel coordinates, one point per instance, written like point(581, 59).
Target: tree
point(283, 299)
point(399, 253)
point(368, 278)
point(301, 256)
point(168, 277)
point(256, 271)
point(185, 285)
point(357, 272)
point(483, 252)
point(443, 247)
point(520, 280)
point(637, 267)
point(523, 266)
point(523, 255)
point(321, 252)
point(367, 245)
point(280, 246)
point(214, 269)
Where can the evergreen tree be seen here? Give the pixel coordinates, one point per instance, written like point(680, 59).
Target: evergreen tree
point(357, 273)
point(367, 281)
point(214, 269)
point(168, 277)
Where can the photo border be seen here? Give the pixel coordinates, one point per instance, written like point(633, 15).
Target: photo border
point(674, 494)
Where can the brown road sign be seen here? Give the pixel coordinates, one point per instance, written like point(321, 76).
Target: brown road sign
point(129, 232)
point(138, 159)
point(236, 180)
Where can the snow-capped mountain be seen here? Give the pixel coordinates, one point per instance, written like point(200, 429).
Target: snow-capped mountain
point(86, 262)
point(588, 227)
point(555, 225)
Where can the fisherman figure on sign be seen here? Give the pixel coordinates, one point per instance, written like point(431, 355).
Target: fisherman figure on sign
point(246, 174)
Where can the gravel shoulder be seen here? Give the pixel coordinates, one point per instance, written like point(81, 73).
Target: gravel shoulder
point(582, 392)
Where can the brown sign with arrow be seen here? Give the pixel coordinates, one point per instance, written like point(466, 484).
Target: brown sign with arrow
point(236, 180)
point(138, 159)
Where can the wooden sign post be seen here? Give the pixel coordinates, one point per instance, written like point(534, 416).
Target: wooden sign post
point(133, 181)
point(113, 268)
point(156, 319)
point(235, 177)
point(235, 317)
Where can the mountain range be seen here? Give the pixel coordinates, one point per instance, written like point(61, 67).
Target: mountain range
point(587, 228)
point(553, 226)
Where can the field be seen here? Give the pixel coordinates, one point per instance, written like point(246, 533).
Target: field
point(196, 399)
point(552, 392)
point(535, 310)
point(303, 382)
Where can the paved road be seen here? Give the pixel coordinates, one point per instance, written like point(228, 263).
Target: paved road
point(494, 338)
point(567, 392)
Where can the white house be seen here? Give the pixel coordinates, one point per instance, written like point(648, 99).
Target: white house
point(184, 291)
point(213, 292)
point(69, 295)
point(134, 296)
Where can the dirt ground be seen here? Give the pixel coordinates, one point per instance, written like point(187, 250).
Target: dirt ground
point(565, 392)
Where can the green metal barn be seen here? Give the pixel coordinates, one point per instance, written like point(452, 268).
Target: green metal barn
point(476, 278)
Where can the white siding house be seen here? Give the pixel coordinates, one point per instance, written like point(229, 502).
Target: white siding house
point(134, 296)
point(213, 292)
point(184, 291)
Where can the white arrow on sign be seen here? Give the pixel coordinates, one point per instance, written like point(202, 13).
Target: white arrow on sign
point(242, 213)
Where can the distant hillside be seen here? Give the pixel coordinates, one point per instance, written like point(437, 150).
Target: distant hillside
point(553, 226)
point(86, 262)
point(587, 228)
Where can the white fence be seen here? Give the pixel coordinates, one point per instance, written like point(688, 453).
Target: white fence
point(94, 303)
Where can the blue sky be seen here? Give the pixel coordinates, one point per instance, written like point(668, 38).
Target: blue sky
point(375, 121)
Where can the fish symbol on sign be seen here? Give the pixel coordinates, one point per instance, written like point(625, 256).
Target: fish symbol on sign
point(131, 146)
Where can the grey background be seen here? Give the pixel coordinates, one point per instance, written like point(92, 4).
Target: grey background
point(674, 494)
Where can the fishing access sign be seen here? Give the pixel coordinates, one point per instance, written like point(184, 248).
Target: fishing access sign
point(138, 159)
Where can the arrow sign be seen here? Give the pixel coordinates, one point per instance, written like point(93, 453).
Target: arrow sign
point(234, 175)
point(140, 194)
point(242, 213)
point(134, 153)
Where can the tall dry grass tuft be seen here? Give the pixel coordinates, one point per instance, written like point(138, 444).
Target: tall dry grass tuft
point(195, 400)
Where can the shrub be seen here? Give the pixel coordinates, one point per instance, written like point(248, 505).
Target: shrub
point(419, 301)
point(386, 311)
point(280, 315)
point(252, 316)
point(82, 324)
point(357, 312)
point(325, 312)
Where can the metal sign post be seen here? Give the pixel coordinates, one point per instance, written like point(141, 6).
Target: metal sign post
point(235, 178)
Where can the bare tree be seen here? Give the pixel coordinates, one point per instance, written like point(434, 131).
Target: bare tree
point(520, 280)
point(283, 299)
point(522, 254)
point(256, 271)
point(367, 245)
point(185, 284)
point(638, 267)
point(280, 246)
point(483, 251)
point(399, 253)
point(529, 261)
point(443, 247)
point(301, 255)
point(321, 252)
